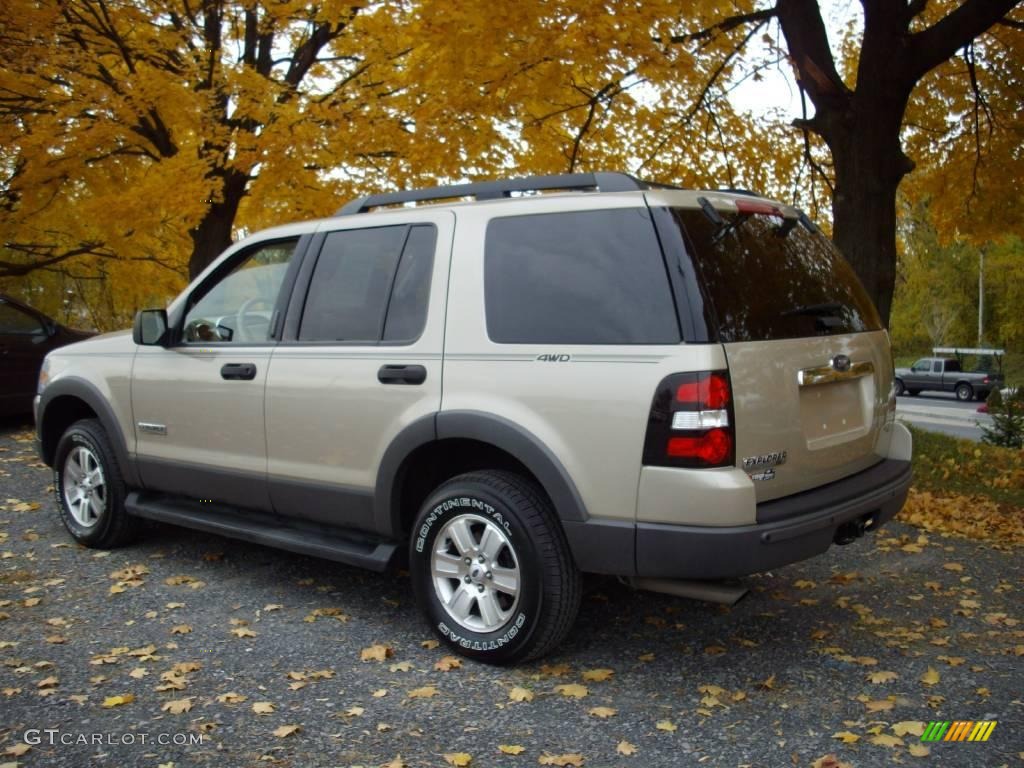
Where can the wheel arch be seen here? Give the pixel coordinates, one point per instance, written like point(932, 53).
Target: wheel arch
point(68, 400)
point(442, 445)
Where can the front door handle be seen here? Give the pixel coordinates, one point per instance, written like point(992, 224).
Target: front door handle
point(402, 374)
point(238, 372)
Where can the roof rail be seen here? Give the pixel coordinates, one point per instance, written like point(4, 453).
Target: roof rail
point(493, 190)
point(738, 191)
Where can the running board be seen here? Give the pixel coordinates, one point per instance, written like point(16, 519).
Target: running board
point(260, 529)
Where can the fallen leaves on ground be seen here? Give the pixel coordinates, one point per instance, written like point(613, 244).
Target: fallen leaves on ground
point(882, 677)
point(931, 677)
point(426, 692)
point(447, 664)
point(511, 749)
point(598, 675)
point(625, 748)
point(574, 759)
point(177, 707)
point(286, 730)
point(117, 701)
point(458, 759)
point(666, 725)
point(602, 712)
point(519, 693)
point(262, 707)
point(572, 690)
point(376, 652)
point(913, 727)
point(973, 517)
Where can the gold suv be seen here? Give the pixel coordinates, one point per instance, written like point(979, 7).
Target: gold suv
point(509, 383)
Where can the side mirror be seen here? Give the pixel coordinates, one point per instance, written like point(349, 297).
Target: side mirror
point(150, 328)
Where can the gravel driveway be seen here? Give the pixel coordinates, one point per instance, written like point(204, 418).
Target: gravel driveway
point(135, 654)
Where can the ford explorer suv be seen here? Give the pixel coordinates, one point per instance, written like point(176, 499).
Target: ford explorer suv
point(509, 383)
point(943, 374)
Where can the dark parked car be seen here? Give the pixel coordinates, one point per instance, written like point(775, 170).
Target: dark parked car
point(26, 335)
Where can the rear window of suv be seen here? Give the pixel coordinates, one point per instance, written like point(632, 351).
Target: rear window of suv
point(580, 277)
point(763, 281)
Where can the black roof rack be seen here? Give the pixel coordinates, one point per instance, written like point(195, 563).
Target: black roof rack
point(493, 190)
point(738, 191)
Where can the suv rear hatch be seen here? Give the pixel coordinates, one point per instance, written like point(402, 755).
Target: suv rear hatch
point(809, 362)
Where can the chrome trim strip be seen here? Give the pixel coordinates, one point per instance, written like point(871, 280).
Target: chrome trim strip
point(826, 374)
point(151, 428)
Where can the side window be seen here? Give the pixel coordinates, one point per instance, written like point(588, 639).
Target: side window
point(238, 308)
point(921, 366)
point(937, 366)
point(584, 277)
point(370, 284)
point(407, 310)
point(15, 322)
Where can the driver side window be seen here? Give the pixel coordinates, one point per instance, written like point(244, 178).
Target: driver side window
point(238, 308)
point(921, 366)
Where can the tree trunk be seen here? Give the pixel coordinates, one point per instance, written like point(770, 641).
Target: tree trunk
point(213, 234)
point(864, 219)
point(869, 164)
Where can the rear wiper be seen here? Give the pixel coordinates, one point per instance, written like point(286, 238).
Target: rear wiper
point(814, 309)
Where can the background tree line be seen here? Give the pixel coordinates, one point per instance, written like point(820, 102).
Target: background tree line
point(137, 138)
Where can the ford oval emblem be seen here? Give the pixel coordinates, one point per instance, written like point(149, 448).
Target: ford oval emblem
point(841, 363)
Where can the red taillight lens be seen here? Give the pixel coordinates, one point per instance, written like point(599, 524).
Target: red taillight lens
point(691, 422)
point(710, 391)
point(712, 448)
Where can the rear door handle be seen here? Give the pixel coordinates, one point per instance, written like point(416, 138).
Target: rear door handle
point(402, 374)
point(238, 371)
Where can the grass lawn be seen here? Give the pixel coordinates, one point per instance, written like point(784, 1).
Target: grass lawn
point(944, 464)
point(966, 488)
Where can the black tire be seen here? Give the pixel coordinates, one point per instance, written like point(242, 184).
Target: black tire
point(913, 392)
point(964, 392)
point(112, 525)
point(897, 387)
point(549, 585)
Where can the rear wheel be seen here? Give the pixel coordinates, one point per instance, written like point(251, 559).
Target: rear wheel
point(89, 487)
point(897, 386)
point(964, 392)
point(491, 569)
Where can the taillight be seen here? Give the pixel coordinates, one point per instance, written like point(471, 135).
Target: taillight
point(691, 422)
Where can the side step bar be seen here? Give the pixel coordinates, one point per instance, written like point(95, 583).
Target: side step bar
point(260, 529)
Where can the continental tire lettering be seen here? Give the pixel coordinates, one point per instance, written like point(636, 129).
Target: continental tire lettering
point(484, 645)
point(461, 502)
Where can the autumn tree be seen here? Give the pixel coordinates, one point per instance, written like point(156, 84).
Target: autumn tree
point(647, 84)
point(130, 126)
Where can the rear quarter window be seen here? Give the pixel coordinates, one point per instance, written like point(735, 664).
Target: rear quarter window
point(581, 277)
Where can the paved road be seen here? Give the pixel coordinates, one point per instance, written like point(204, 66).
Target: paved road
point(766, 683)
point(942, 412)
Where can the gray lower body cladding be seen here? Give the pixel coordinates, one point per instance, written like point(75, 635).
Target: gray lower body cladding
point(801, 527)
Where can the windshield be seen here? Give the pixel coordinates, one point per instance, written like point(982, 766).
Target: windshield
point(764, 280)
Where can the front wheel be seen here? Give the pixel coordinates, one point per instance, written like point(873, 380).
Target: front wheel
point(491, 569)
point(964, 392)
point(897, 387)
point(89, 488)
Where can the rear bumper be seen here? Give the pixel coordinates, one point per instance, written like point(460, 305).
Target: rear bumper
point(793, 529)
